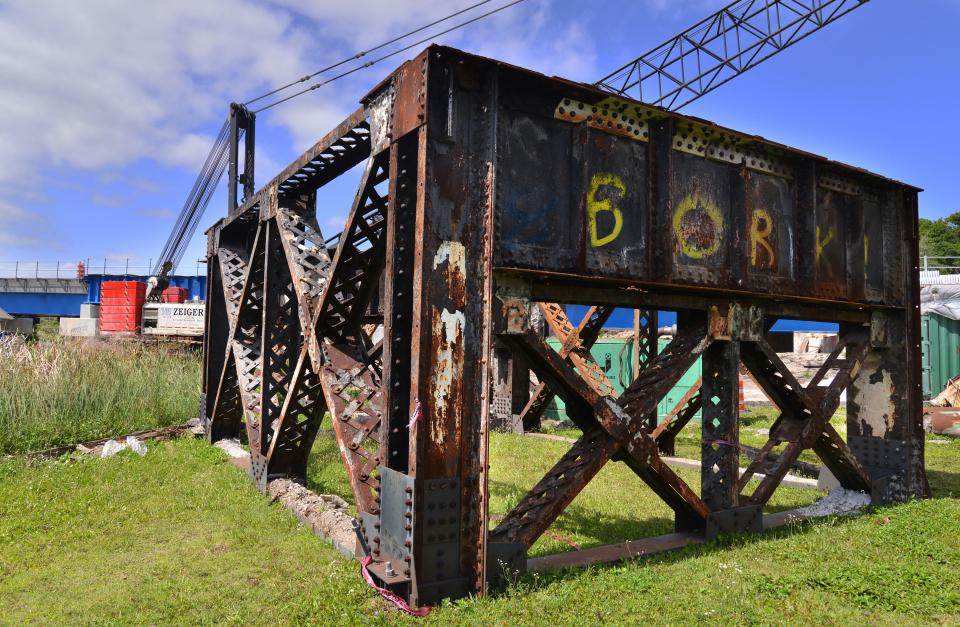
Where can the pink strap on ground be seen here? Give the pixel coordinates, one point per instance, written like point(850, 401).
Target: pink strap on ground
point(386, 594)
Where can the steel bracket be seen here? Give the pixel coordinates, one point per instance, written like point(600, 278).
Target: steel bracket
point(737, 323)
point(746, 323)
point(748, 518)
point(396, 515)
point(440, 536)
point(505, 559)
point(886, 462)
point(879, 329)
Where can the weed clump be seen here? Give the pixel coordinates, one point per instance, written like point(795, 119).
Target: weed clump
point(66, 390)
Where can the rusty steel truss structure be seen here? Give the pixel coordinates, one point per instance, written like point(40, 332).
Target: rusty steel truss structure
point(491, 195)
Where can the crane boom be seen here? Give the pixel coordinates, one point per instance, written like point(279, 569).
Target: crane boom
point(721, 47)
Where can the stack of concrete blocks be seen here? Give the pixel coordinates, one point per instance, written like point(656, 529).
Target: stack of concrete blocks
point(87, 325)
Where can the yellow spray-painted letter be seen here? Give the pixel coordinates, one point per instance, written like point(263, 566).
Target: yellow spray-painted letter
point(820, 245)
point(760, 228)
point(596, 205)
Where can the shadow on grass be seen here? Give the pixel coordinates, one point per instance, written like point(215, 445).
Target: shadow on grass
point(944, 484)
point(599, 527)
point(540, 580)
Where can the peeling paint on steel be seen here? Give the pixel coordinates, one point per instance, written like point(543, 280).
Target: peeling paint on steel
point(874, 395)
point(448, 331)
point(453, 253)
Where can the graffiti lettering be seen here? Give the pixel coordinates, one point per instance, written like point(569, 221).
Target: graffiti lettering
point(597, 205)
point(821, 244)
point(698, 226)
point(760, 228)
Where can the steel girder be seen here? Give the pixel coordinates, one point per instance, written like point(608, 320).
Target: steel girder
point(489, 191)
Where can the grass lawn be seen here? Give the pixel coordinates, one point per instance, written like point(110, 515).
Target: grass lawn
point(181, 536)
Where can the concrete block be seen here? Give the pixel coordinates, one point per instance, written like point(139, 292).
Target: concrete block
point(20, 326)
point(89, 310)
point(79, 327)
point(826, 481)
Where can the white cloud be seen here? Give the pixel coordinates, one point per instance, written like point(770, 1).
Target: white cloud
point(106, 82)
point(102, 85)
point(156, 212)
point(22, 229)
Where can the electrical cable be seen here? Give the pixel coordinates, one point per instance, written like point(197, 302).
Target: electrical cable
point(366, 52)
point(196, 200)
point(387, 56)
point(217, 159)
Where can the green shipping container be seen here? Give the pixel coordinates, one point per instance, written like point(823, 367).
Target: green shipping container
point(615, 356)
point(941, 352)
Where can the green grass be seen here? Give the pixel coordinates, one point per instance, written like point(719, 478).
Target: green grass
point(181, 536)
point(46, 329)
point(67, 390)
point(754, 419)
point(614, 507)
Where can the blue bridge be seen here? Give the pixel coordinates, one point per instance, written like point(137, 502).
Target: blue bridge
point(59, 297)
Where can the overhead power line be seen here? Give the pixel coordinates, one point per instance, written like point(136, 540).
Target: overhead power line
point(363, 53)
point(387, 56)
point(216, 162)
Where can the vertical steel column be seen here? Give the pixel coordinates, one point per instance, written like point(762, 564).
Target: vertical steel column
point(501, 407)
point(644, 350)
point(241, 119)
point(450, 363)
point(884, 404)
point(511, 389)
point(720, 426)
point(235, 125)
point(398, 300)
point(216, 329)
point(249, 157)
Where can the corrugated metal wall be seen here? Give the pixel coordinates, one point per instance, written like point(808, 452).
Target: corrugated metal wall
point(941, 352)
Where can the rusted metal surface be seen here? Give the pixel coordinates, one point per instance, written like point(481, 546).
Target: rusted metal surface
point(677, 418)
point(584, 337)
point(491, 192)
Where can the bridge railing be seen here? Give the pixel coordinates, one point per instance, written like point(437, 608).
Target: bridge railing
point(39, 270)
point(77, 270)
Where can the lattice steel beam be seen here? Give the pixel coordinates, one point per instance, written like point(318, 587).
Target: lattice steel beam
point(584, 336)
point(720, 48)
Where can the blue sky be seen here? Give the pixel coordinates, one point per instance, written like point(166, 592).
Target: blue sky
point(109, 106)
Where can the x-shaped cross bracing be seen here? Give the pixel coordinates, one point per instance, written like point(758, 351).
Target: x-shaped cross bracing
point(804, 421)
point(288, 361)
point(610, 428)
point(614, 428)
